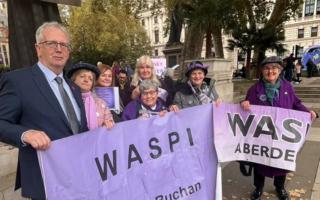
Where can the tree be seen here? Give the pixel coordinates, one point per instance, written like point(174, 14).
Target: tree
point(202, 19)
point(102, 30)
point(258, 25)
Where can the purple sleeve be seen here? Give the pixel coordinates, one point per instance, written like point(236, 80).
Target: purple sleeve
point(130, 111)
point(251, 94)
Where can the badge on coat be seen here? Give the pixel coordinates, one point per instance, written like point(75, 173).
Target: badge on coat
point(263, 97)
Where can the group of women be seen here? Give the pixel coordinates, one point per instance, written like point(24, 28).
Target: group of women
point(151, 96)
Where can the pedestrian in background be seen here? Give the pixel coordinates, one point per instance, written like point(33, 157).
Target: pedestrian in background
point(298, 71)
point(311, 67)
point(124, 87)
point(271, 90)
point(289, 67)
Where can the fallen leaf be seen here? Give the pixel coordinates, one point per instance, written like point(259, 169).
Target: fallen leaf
point(290, 174)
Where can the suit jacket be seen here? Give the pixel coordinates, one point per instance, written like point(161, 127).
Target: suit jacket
point(28, 102)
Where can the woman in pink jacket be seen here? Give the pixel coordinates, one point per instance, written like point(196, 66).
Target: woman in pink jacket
point(84, 75)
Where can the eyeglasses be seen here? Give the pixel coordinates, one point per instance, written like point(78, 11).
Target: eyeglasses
point(151, 93)
point(55, 44)
point(270, 69)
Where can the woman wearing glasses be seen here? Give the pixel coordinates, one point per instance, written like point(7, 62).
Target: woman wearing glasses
point(147, 104)
point(271, 90)
point(196, 91)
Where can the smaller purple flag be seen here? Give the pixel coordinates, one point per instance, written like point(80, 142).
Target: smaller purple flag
point(267, 135)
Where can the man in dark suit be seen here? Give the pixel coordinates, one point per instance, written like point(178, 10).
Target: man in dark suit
point(38, 105)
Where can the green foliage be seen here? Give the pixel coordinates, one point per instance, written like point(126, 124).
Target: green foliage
point(102, 30)
point(244, 17)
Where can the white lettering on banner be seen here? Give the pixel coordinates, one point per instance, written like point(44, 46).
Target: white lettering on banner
point(134, 155)
point(181, 193)
point(264, 151)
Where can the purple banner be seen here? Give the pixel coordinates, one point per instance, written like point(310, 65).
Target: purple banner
point(160, 158)
point(266, 135)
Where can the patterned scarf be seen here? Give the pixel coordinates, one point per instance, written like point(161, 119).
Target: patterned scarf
point(203, 98)
point(272, 90)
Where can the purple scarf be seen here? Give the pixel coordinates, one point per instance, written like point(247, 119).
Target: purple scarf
point(90, 108)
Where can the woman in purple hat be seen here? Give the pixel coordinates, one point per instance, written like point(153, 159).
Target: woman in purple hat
point(84, 75)
point(196, 91)
point(271, 90)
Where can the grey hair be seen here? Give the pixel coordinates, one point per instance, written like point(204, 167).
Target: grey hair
point(143, 60)
point(46, 25)
point(148, 84)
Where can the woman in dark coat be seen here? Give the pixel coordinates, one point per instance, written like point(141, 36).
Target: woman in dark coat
point(196, 91)
point(272, 91)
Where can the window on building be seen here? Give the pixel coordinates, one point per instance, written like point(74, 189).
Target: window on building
point(301, 33)
point(309, 7)
point(156, 19)
point(318, 7)
point(156, 36)
point(142, 22)
point(314, 31)
point(156, 52)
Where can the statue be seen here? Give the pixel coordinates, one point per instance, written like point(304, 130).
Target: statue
point(24, 16)
point(175, 27)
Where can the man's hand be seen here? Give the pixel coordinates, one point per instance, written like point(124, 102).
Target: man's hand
point(37, 139)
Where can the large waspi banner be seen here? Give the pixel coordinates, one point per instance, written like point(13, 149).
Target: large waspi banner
point(162, 158)
point(266, 135)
